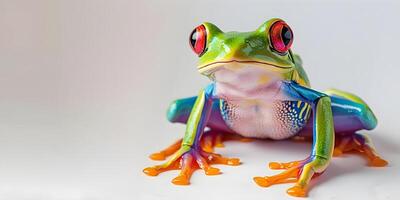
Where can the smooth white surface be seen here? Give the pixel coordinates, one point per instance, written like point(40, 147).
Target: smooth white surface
point(84, 86)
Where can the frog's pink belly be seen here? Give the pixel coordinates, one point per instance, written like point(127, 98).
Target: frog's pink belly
point(275, 120)
point(253, 104)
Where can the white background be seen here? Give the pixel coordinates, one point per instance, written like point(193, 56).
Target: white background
point(84, 86)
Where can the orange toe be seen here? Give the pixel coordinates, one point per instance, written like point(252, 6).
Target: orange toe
point(181, 180)
point(261, 181)
point(279, 165)
point(275, 165)
point(151, 171)
point(212, 171)
point(297, 191)
point(233, 161)
point(157, 156)
point(378, 162)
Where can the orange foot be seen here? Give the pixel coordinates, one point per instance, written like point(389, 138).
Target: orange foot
point(188, 160)
point(358, 143)
point(209, 141)
point(296, 171)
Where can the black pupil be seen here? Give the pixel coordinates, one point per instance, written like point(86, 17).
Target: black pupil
point(193, 38)
point(286, 35)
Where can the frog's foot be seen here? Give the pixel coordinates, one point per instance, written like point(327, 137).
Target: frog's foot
point(214, 138)
point(299, 172)
point(188, 160)
point(209, 141)
point(358, 143)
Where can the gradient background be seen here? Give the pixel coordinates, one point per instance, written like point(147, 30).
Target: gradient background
point(84, 86)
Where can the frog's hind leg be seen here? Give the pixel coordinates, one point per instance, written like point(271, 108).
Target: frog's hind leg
point(179, 111)
point(352, 114)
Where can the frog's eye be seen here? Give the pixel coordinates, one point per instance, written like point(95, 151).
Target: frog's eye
point(281, 37)
point(198, 39)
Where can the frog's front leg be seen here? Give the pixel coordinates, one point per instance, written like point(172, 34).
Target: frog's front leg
point(179, 112)
point(190, 156)
point(302, 171)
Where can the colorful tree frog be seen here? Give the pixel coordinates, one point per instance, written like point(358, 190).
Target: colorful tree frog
point(260, 90)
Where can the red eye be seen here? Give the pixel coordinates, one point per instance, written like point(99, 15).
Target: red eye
point(281, 36)
point(198, 39)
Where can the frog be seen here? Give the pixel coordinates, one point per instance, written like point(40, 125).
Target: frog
point(259, 90)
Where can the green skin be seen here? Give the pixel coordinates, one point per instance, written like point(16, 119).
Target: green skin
point(254, 48)
point(261, 51)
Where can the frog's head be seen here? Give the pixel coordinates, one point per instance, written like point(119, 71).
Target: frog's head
point(268, 48)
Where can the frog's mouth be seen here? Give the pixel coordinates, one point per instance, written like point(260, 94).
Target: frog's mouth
point(210, 68)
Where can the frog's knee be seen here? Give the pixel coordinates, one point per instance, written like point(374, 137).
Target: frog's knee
point(179, 110)
point(172, 111)
point(367, 117)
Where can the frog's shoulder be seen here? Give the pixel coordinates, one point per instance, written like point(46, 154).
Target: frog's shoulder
point(297, 59)
point(299, 75)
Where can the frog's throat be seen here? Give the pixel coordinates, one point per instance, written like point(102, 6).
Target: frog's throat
point(210, 68)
